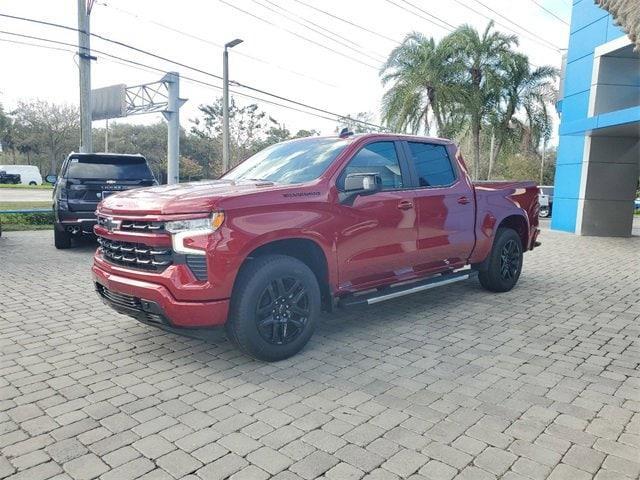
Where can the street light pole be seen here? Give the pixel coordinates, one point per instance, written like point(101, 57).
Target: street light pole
point(225, 103)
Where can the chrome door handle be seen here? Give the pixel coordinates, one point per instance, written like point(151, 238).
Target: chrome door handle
point(463, 200)
point(405, 205)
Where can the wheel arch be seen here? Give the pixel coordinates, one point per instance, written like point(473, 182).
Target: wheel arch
point(518, 223)
point(306, 250)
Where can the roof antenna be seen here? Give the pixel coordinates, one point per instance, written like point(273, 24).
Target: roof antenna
point(345, 132)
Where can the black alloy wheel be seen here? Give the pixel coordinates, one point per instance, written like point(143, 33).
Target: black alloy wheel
point(282, 311)
point(510, 260)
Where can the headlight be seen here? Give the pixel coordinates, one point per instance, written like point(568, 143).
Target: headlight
point(182, 229)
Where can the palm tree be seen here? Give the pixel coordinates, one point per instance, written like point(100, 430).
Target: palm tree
point(527, 91)
point(421, 86)
point(478, 61)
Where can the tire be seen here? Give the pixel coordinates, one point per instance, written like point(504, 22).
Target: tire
point(61, 239)
point(264, 321)
point(504, 264)
point(544, 213)
point(32, 183)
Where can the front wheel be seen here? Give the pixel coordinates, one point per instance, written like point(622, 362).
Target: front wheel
point(274, 307)
point(544, 212)
point(504, 263)
point(33, 184)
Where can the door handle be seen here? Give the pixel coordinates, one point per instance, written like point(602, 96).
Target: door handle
point(405, 205)
point(463, 200)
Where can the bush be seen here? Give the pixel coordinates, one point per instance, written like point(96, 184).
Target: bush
point(26, 221)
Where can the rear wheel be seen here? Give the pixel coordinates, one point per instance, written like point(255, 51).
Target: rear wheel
point(32, 183)
point(274, 307)
point(504, 263)
point(544, 212)
point(61, 239)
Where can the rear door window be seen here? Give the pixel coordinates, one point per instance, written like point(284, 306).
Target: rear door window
point(432, 164)
point(109, 168)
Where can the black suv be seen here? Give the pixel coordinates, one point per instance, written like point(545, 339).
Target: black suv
point(84, 180)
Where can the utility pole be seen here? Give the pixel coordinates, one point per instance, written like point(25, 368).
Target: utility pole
point(172, 114)
point(84, 61)
point(225, 104)
point(491, 151)
point(106, 135)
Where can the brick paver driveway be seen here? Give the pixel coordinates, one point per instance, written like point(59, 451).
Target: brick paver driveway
point(540, 382)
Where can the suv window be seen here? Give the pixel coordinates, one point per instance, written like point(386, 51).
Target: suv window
point(432, 164)
point(108, 168)
point(380, 158)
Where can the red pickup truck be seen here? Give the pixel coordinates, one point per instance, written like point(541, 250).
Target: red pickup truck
point(307, 225)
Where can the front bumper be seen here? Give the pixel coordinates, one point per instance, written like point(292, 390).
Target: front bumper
point(153, 303)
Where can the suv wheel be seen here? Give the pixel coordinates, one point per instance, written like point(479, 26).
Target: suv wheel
point(61, 239)
point(274, 307)
point(504, 262)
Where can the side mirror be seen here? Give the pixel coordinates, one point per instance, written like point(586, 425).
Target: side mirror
point(363, 183)
point(51, 179)
point(360, 184)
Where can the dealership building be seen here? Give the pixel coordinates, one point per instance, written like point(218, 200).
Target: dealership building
point(598, 159)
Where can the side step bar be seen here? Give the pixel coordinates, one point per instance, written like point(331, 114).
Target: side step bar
point(395, 292)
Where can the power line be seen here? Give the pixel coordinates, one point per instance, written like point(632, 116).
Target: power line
point(349, 22)
point(550, 12)
point(345, 41)
point(149, 68)
point(517, 24)
point(204, 72)
point(218, 45)
point(306, 39)
point(433, 19)
point(316, 30)
point(491, 19)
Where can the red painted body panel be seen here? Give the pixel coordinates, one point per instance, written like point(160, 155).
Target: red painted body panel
point(368, 244)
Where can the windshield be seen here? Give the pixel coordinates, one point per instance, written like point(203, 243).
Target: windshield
point(295, 161)
point(109, 168)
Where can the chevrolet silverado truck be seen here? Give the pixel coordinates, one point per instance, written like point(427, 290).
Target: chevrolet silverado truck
point(309, 225)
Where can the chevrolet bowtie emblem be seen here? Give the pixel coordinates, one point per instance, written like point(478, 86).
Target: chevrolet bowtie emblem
point(111, 224)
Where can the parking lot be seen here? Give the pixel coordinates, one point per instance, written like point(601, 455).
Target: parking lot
point(540, 382)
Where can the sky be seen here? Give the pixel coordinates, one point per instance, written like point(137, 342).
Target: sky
point(335, 67)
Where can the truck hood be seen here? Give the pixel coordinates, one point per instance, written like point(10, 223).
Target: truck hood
point(195, 197)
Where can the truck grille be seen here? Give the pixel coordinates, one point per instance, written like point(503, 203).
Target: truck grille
point(135, 255)
point(133, 225)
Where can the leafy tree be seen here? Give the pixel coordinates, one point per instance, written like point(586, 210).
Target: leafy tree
point(46, 128)
point(247, 127)
point(421, 86)
point(477, 60)
point(528, 91)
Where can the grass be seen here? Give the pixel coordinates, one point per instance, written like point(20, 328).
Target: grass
point(24, 205)
point(44, 186)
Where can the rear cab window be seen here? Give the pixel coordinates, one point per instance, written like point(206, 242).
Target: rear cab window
point(108, 168)
point(432, 164)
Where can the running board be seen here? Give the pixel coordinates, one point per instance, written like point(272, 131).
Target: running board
point(395, 292)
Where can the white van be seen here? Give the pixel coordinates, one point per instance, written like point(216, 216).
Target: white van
point(29, 174)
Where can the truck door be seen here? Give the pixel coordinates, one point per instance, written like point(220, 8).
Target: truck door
point(445, 208)
point(376, 237)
